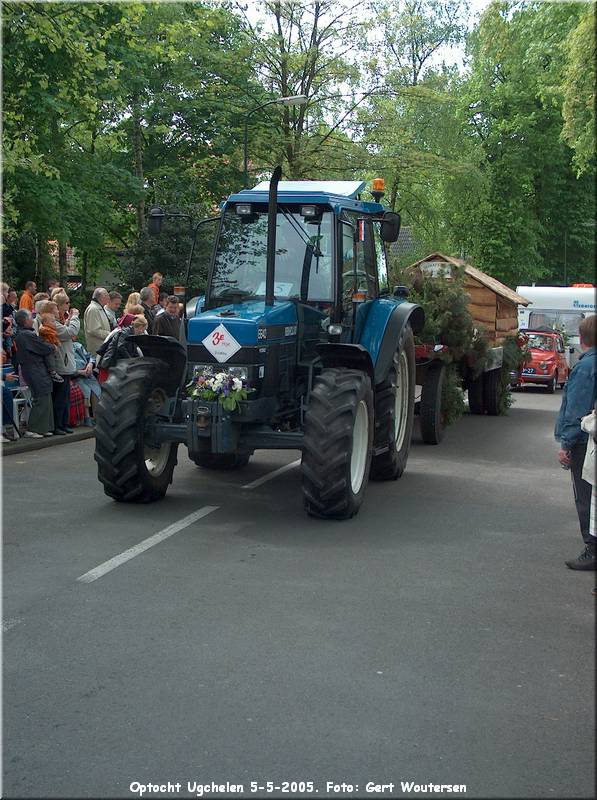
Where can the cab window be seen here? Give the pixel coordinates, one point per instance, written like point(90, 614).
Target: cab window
point(380, 257)
point(365, 269)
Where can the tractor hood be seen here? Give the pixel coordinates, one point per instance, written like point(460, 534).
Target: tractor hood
point(250, 323)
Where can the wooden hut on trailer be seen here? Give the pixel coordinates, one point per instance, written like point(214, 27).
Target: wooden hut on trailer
point(492, 304)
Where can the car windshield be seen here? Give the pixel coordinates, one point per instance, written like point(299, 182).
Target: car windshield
point(240, 262)
point(565, 321)
point(540, 342)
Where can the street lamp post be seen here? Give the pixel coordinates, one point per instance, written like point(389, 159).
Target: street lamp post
point(294, 100)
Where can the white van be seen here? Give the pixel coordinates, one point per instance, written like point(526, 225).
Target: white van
point(561, 307)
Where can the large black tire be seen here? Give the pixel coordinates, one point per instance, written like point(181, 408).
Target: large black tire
point(221, 461)
point(130, 471)
point(476, 403)
point(492, 392)
point(552, 385)
point(338, 440)
point(430, 412)
point(389, 431)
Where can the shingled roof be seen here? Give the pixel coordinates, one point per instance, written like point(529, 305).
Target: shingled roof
point(491, 283)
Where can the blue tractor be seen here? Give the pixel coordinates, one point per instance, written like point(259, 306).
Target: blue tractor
point(298, 309)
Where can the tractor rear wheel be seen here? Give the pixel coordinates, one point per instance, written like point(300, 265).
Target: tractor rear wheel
point(338, 439)
point(221, 460)
point(131, 470)
point(431, 413)
point(394, 413)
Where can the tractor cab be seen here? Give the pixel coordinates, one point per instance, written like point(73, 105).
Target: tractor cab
point(328, 265)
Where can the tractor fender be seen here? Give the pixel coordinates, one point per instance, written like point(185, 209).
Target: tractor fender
point(339, 354)
point(384, 331)
point(169, 350)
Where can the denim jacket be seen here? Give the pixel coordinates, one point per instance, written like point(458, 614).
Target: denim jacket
point(578, 400)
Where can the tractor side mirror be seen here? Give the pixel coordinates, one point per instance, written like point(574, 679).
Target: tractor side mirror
point(155, 219)
point(390, 226)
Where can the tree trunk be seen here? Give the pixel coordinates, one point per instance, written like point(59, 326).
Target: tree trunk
point(61, 261)
point(138, 160)
point(41, 249)
point(84, 263)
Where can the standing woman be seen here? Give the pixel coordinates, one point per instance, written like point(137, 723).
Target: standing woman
point(32, 353)
point(68, 325)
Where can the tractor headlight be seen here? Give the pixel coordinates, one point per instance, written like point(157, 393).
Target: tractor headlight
point(202, 369)
point(238, 372)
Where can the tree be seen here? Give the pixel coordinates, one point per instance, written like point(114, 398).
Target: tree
point(532, 200)
point(306, 49)
point(579, 91)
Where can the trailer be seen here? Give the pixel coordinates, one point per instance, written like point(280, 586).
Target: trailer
point(493, 307)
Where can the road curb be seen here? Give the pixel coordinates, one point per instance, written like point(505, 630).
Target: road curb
point(25, 445)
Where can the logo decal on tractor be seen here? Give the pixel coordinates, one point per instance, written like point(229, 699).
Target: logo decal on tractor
point(221, 344)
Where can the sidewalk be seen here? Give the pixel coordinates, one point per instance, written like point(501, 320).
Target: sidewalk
point(23, 445)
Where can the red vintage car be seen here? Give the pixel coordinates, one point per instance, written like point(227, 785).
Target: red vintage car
point(548, 365)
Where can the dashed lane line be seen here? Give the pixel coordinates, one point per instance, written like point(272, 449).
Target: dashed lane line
point(7, 624)
point(151, 541)
point(271, 475)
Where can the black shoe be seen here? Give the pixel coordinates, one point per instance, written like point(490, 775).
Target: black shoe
point(586, 560)
point(59, 432)
point(68, 430)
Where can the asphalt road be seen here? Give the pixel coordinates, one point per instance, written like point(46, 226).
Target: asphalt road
point(436, 637)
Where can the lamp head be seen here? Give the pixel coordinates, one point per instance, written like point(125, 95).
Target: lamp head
point(294, 100)
point(155, 219)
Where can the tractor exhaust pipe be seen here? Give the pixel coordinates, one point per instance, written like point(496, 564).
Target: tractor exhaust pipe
point(272, 216)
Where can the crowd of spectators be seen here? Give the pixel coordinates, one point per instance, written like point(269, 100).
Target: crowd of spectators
point(56, 365)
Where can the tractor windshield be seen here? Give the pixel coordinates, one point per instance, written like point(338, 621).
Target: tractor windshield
point(240, 261)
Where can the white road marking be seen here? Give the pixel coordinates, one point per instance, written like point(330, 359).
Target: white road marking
point(271, 475)
point(7, 624)
point(112, 563)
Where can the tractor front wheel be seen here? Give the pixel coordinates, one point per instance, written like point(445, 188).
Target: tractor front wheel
point(338, 439)
point(131, 468)
point(394, 413)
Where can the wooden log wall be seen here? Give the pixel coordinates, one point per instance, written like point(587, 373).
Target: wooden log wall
point(496, 315)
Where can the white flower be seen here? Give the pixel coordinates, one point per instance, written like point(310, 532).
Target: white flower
point(237, 384)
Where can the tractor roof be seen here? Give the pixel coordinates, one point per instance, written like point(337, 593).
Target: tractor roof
point(339, 188)
point(340, 194)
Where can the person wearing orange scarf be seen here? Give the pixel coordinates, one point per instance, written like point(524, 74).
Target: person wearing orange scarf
point(47, 332)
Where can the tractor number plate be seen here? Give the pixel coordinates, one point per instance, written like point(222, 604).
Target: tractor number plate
point(221, 344)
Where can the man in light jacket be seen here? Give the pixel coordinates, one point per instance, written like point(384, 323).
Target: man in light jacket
point(95, 320)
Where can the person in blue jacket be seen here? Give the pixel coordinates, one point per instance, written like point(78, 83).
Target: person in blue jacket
point(578, 401)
